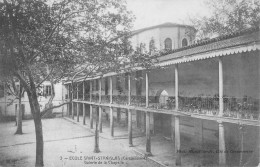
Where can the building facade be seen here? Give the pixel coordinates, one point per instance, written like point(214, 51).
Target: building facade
point(205, 94)
point(8, 106)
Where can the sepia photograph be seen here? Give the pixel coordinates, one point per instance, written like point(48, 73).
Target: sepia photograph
point(129, 83)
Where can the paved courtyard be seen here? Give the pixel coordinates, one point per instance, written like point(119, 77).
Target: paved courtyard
point(66, 144)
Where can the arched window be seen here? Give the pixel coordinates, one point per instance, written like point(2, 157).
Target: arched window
point(151, 46)
point(184, 42)
point(168, 44)
point(163, 97)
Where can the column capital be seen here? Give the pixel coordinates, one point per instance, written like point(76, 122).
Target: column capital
point(220, 122)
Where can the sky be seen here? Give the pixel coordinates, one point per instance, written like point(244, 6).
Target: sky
point(154, 12)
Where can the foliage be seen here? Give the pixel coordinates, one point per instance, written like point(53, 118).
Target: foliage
point(227, 16)
point(50, 40)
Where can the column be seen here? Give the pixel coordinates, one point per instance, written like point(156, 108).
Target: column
point(176, 87)
point(100, 119)
point(222, 147)
point(91, 115)
point(72, 104)
point(99, 107)
point(220, 73)
point(130, 130)
point(111, 89)
point(146, 90)
point(111, 122)
point(83, 107)
point(77, 112)
point(96, 149)
point(177, 119)
point(110, 108)
point(90, 106)
point(129, 89)
point(72, 110)
point(90, 90)
point(148, 135)
point(77, 91)
point(83, 90)
point(84, 113)
point(152, 122)
point(177, 140)
point(172, 128)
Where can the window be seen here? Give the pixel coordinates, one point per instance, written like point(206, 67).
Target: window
point(47, 90)
point(168, 44)
point(184, 42)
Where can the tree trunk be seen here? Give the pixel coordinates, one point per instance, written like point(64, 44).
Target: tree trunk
point(35, 109)
point(39, 140)
point(19, 118)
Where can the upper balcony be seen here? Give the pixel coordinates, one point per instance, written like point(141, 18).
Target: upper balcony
point(240, 108)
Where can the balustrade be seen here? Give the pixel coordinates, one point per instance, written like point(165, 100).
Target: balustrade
point(138, 101)
point(120, 99)
point(87, 97)
point(95, 98)
point(244, 108)
point(162, 102)
point(200, 105)
point(105, 98)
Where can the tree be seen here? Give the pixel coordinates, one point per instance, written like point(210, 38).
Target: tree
point(50, 41)
point(227, 16)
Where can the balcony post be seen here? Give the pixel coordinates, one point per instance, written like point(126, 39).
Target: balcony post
point(222, 147)
point(84, 113)
point(100, 89)
point(96, 148)
point(77, 91)
point(77, 104)
point(99, 107)
point(72, 108)
point(129, 89)
point(152, 122)
point(111, 89)
point(83, 107)
point(177, 140)
point(91, 115)
point(146, 90)
point(130, 130)
point(77, 112)
point(110, 108)
point(220, 73)
point(111, 122)
point(90, 90)
point(72, 104)
point(148, 135)
point(83, 90)
point(177, 118)
point(176, 87)
point(69, 99)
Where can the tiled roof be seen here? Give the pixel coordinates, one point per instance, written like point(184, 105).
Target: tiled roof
point(226, 41)
point(159, 26)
